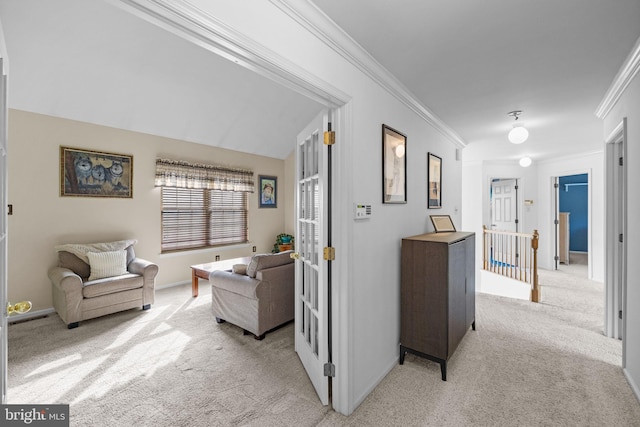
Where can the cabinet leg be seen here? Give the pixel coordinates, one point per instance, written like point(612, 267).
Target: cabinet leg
point(473, 325)
point(402, 353)
point(443, 369)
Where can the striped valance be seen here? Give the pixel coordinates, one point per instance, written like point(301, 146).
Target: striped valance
point(177, 173)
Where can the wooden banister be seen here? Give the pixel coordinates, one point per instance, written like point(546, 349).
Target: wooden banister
point(513, 255)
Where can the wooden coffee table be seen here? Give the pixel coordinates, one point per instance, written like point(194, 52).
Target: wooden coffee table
point(202, 271)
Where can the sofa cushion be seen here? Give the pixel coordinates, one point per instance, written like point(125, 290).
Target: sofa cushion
point(107, 264)
point(110, 285)
point(262, 261)
point(73, 263)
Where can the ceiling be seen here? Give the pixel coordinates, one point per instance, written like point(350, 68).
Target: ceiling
point(470, 62)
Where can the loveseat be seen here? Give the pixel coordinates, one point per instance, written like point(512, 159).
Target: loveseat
point(256, 297)
point(97, 279)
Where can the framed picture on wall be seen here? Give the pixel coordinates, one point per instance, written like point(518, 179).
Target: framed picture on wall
point(394, 166)
point(88, 173)
point(434, 181)
point(268, 195)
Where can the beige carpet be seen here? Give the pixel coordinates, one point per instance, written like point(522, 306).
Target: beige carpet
point(527, 364)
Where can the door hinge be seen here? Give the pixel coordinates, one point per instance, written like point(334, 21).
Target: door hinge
point(621, 161)
point(329, 137)
point(329, 253)
point(556, 258)
point(620, 238)
point(329, 370)
point(517, 221)
point(556, 222)
point(620, 314)
point(556, 185)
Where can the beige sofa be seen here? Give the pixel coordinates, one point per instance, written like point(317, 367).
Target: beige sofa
point(257, 297)
point(80, 292)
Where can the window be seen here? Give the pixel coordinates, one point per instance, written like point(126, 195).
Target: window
point(200, 218)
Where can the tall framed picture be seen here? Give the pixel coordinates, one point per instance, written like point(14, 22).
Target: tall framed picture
point(434, 181)
point(394, 166)
point(95, 174)
point(268, 195)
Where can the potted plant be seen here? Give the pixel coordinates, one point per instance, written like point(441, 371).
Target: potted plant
point(284, 242)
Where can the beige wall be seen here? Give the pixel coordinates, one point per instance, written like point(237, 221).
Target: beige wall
point(42, 219)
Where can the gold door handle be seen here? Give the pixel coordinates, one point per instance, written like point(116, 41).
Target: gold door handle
point(294, 255)
point(19, 307)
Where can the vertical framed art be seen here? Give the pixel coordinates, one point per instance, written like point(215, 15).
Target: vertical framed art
point(394, 166)
point(434, 181)
point(268, 195)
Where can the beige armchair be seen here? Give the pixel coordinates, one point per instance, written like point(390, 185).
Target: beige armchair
point(98, 279)
point(258, 299)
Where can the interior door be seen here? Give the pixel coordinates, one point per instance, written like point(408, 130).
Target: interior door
point(503, 205)
point(311, 305)
point(3, 231)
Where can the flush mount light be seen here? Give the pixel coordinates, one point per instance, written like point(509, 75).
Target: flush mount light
point(400, 150)
point(519, 133)
point(525, 162)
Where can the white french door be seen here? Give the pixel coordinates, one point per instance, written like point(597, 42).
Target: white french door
point(311, 305)
point(3, 231)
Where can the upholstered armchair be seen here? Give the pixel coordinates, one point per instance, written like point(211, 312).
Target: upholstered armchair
point(97, 279)
point(256, 297)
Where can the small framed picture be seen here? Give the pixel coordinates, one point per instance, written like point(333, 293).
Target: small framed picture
point(442, 223)
point(268, 195)
point(434, 180)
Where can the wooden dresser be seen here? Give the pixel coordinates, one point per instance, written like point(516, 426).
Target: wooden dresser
point(437, 302)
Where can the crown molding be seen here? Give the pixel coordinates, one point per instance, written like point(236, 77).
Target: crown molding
point(625, 75)
point(189, 22)
point(319, 24)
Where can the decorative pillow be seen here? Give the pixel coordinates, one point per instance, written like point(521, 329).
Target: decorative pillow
point(107, 264)
point(240, 269)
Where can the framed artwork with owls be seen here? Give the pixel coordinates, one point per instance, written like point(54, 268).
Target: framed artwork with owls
point(90, 173)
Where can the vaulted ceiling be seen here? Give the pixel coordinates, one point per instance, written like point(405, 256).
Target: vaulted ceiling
point(469, 62)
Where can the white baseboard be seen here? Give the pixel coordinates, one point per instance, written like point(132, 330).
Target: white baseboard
point(30, 315)
point(634, 386)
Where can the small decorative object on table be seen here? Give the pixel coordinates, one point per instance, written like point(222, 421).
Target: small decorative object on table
point(284, 242)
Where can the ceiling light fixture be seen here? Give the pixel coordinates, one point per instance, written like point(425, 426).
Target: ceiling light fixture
point(525, 162)
point(519, 133)
point(400, 151)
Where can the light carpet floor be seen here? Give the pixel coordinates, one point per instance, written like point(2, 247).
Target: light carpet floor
point(527, 364)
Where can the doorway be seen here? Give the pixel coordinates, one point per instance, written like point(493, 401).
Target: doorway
point(572, 224)
point(503, 204)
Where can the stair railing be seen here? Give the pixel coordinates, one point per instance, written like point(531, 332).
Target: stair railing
point(512, 255)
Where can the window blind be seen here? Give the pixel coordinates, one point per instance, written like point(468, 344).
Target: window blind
point(200, 218)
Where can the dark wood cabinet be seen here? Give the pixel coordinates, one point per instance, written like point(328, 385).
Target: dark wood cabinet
point(437, 302)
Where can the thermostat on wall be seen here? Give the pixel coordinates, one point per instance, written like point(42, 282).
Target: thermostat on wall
point(361, 211)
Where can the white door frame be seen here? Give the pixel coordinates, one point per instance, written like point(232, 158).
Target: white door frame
point(616, 225)
point(3, 219)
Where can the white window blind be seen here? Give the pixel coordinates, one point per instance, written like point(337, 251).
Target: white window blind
point(197, 218)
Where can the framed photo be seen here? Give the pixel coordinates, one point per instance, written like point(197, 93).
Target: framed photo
point(89, 173)
point(434, 180)
point(442, 223)
point(268, 196)
point(394, 166)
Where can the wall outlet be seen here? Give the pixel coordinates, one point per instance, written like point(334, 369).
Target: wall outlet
point(254, 249)
point(217, 257)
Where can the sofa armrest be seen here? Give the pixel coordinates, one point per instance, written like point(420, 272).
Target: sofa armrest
point(235, 283)
point(144, 268)
point(67, 293)
point(65, 279)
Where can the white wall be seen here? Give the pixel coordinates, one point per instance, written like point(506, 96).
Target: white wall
point(629, 106)
point(592, 164)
